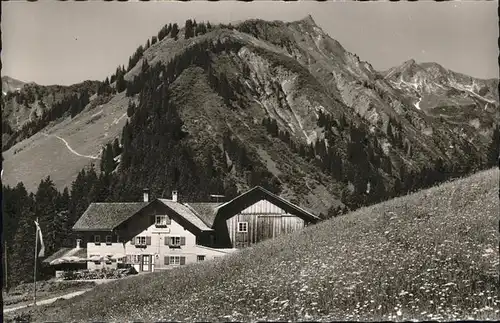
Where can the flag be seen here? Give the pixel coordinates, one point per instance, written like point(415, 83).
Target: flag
point(40, 236)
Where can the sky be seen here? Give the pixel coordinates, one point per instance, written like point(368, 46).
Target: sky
point(51, 42)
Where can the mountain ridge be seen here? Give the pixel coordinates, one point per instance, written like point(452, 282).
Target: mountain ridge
point(319, 99)
point(10, 84)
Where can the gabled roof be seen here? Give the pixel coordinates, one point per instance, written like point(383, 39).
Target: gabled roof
point(199, 216)
point(206, 211)
point(66, 252)
point(257, 193)
point(106, 216)
point(187, 213)
point(58, 254)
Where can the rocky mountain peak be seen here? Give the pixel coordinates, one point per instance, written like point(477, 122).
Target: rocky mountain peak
point(309, 20)
point(410, 65)
point(257, 89)
point(410, 62)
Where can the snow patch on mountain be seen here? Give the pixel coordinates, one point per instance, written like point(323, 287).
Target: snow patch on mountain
point(470, 88)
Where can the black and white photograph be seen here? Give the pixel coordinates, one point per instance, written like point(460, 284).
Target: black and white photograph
point(262, 161)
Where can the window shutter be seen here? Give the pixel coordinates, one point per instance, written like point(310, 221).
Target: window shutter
point(148, 241)
point(166, 260)
point(165, 240)
point(153, 219)
point(183, 241)
point(132, 242)
point(183, 260)
point(168, 220)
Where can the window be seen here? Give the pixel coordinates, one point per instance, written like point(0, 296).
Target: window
point(141, 241)
point(242, 226)
point(175, 260)
point(97, 239)
point(162, 221)
point(200, 258)
point(175, 242)
point(108, 240)
point(133, 259)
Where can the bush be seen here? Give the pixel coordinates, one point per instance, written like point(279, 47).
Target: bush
point(103, 273)
point(69, 275)
point(131, 271)
point(23, 317)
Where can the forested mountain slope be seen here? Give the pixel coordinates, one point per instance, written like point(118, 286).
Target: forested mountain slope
point(277, 89)
point(218, 109)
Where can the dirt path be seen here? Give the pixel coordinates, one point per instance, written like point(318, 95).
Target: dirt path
point(69, 147)
point(47, 301)
point(417, 105)
point(65, 296)
point(116, 121)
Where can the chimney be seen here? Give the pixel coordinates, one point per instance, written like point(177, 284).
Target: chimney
point(146, 194)
point(174, 196)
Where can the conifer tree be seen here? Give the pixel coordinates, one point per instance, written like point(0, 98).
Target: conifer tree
point(174, 31)
point(121, 84)
point(20, 254)
point(108, 163)
point(116, 148)
point(46, 208)
point(494, 147)
point(188, 29)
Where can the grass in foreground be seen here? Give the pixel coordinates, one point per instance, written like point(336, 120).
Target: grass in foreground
point(430, 255)
point(23, 294)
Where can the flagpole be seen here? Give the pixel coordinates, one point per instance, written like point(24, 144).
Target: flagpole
point(36, 258)
point(6, 273)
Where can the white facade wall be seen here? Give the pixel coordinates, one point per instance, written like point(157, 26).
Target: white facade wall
point(155, 252)
point(103, 250)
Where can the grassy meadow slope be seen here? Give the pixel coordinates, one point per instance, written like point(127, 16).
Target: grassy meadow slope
point(429, 255)
point(86, 134)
